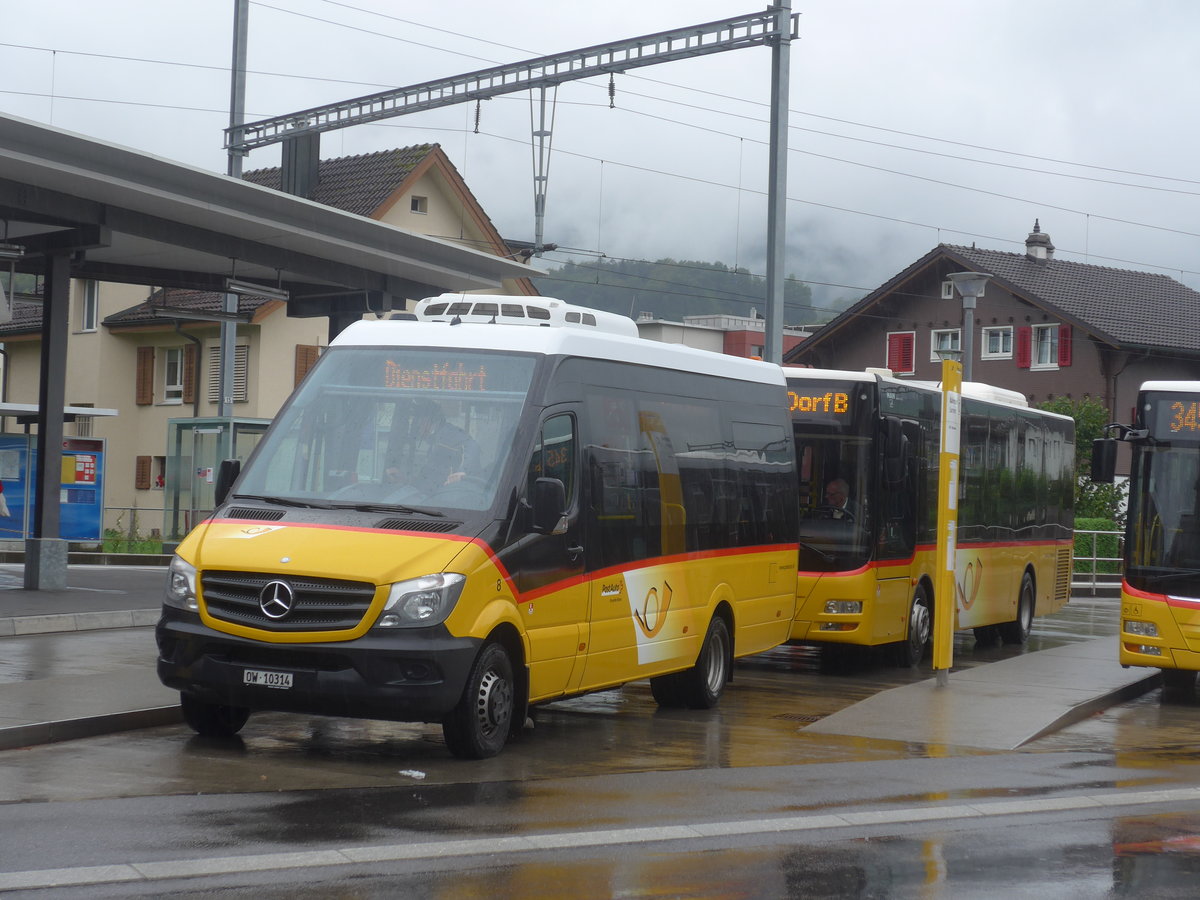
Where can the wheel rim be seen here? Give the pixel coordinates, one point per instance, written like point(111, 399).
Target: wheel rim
point(714, 669)
point(1026, 612)
point(493, 703)
point(918, 627)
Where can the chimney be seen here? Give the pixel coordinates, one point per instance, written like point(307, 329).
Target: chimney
point(1037, 245)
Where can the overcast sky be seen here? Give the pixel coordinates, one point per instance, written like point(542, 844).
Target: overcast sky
point(912, 123)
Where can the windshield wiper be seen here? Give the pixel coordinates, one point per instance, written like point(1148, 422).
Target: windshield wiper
point(390, 507)
point(286, 501)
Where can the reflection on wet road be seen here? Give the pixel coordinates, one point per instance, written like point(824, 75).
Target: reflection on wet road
point(758, 723)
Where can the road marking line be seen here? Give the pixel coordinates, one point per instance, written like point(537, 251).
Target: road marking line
point(491, 846)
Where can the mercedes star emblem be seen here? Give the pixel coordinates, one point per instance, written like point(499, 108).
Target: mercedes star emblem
point(276, 599)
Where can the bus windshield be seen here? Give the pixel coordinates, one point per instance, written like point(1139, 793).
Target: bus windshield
point(394, 427)
point(1164, 505)
point(831, 422)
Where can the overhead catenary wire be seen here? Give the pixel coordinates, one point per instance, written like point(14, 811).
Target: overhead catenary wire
point(836, 159)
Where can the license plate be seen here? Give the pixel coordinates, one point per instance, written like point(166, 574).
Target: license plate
point(279, 680)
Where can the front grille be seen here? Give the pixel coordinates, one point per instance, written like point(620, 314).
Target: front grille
point(319, 604)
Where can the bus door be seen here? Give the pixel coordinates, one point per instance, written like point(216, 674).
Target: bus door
point(900, 470)
point(549, 568)
point(635, 517)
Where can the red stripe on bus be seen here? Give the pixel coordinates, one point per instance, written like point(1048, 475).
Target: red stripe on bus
point(495, 560)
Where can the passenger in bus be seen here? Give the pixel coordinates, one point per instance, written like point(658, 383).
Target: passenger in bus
point(837, 500)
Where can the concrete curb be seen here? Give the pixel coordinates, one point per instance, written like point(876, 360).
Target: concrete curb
point(84, 621)
point(1098, 704)
point(52, 732)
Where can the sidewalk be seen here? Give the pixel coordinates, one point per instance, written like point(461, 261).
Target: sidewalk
point(80, 662)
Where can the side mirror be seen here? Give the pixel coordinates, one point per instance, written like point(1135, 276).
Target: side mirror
point(1104, 460)
point(227, 474)
point(549, 502)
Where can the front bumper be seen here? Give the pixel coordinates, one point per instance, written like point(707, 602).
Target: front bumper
point(406, 675)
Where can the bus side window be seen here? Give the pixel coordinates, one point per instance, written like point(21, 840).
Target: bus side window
point(554, 454)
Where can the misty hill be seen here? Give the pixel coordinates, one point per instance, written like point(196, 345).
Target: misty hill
point(671, 289)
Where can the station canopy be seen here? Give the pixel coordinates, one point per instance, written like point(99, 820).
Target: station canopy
point(127, 216)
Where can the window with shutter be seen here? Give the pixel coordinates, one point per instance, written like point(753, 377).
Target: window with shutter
point(141, 473)
point(900, 351)
point(144, 382)
point(1045, 347)
point(306, 358)
point(241, 360)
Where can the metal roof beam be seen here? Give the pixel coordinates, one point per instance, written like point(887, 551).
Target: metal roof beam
point(733, 33)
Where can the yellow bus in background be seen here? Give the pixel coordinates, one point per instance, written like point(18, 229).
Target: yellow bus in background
point(1160, 587)
point(456, 518)
point(867, 453)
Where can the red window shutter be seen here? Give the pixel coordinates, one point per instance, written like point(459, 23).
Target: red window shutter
point(1064, 345)
point(144, 384)
point(1024, 346)
point(189, 373)
point(900, 351)
point(141, 473)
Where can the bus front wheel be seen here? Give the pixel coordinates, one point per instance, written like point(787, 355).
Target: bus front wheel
point(212, 719)
point(478, 726)
point(1179, 686)
point(911, 650)
point(1017, 631)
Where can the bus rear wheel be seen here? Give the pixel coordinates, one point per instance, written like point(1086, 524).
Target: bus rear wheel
point(212, 719)
point(910, 651)
point(1017, 631)
point(479, 725)
point(701, 686)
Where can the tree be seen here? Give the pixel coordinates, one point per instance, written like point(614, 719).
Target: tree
point(1103, 501)
point(671, 289)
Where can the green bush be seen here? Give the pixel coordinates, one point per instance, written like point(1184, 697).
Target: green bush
point(119, 541)
point(1106, 545)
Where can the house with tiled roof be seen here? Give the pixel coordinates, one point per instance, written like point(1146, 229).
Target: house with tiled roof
point(1044, 327)
point(124, 354)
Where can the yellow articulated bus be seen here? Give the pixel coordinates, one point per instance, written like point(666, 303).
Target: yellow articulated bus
point(451, 521)
point(1160, 588)
point(867, 450)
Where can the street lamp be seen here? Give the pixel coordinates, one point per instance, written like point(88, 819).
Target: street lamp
point(970, 286)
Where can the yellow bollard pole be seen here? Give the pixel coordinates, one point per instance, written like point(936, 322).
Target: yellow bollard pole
point(947, 530)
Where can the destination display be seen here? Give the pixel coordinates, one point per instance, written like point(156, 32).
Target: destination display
point(1173, 415)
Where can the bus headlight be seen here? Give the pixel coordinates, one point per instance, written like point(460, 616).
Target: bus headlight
point(421, 601)
point(1144, 629)
point(181, 585)
point(843, 607)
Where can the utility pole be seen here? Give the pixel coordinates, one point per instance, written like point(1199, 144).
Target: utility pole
point(777, 184)
point(237, 116)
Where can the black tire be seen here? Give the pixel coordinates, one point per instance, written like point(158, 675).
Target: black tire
point(1179, 686)
point(987, 636)
point(212, 719)
point(479, 726)
point(701, 686)
point(918, 639)
point(1017, 631)
point(666, 690)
